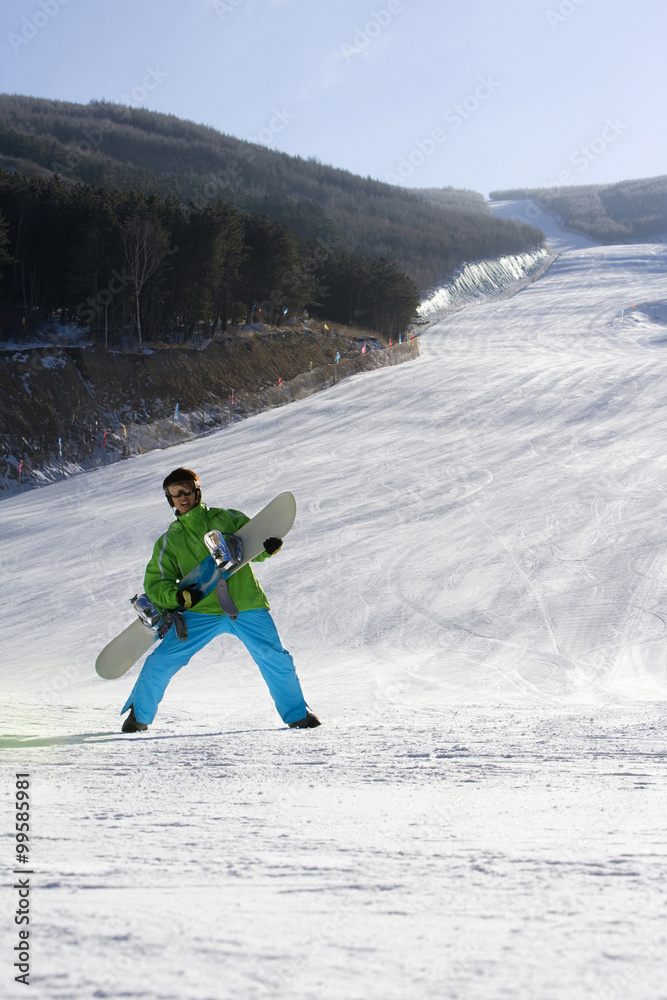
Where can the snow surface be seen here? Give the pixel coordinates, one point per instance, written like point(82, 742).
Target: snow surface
point(529, 212)
point(474, 593)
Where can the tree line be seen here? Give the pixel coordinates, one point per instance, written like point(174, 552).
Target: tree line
point(626, 212)
point(429, 233)
point(114, 260)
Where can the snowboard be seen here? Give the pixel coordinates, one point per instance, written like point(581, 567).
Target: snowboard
point(273, 521)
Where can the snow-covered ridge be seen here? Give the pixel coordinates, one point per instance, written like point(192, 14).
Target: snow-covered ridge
point(483, 279)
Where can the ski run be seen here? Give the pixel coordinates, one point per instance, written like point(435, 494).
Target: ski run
point(474, 593)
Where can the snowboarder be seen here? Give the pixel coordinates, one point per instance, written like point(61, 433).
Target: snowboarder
point(174, 555)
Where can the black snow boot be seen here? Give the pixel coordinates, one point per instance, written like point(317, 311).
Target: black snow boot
point(131, 725)
point(309, 722)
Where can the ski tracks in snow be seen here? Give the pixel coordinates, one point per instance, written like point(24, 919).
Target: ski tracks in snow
point(474, 592)
point(392, 854)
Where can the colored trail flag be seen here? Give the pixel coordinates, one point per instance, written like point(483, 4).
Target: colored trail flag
point(337, 356)
point(363, 348)
point(176, 412)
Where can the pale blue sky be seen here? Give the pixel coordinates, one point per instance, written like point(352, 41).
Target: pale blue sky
point(481, 94)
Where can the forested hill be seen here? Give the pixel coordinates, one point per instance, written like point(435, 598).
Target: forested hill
point(428, 234)
point(626, 212)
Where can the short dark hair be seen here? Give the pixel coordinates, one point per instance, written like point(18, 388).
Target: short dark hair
point(181, 476)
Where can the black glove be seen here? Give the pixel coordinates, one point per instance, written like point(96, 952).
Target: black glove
point(272, 545)
point(188, 597)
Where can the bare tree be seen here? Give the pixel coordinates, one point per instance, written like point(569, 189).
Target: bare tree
point(146, 245)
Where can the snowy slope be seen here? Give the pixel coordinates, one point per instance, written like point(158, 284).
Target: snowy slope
point(474, 595)
point(527, 211)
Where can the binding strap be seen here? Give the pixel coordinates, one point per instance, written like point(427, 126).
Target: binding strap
point(225, 600)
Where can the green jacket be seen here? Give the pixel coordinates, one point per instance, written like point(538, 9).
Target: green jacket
point(182, 547)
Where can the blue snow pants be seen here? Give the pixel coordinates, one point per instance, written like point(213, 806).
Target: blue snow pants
point(258, 634)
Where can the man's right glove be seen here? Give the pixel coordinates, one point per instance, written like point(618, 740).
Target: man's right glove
point(188, 597)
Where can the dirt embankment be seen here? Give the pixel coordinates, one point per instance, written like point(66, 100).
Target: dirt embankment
point(53, 396)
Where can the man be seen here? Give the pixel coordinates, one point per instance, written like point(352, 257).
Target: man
point(178, 551)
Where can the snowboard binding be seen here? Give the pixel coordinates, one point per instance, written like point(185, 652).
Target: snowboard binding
point(159, 621)
point(227, 551)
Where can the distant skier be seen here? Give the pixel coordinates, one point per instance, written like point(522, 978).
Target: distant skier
point(178, 551)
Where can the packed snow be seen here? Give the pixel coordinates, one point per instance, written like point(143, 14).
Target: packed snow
point(474, 594)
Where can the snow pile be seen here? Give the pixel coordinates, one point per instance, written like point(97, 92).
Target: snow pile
point(487, 278)
point(647, 318)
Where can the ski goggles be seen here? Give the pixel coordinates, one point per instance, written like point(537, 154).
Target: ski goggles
point(181, 493)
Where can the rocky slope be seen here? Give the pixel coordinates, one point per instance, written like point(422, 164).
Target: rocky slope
point(100, 406)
